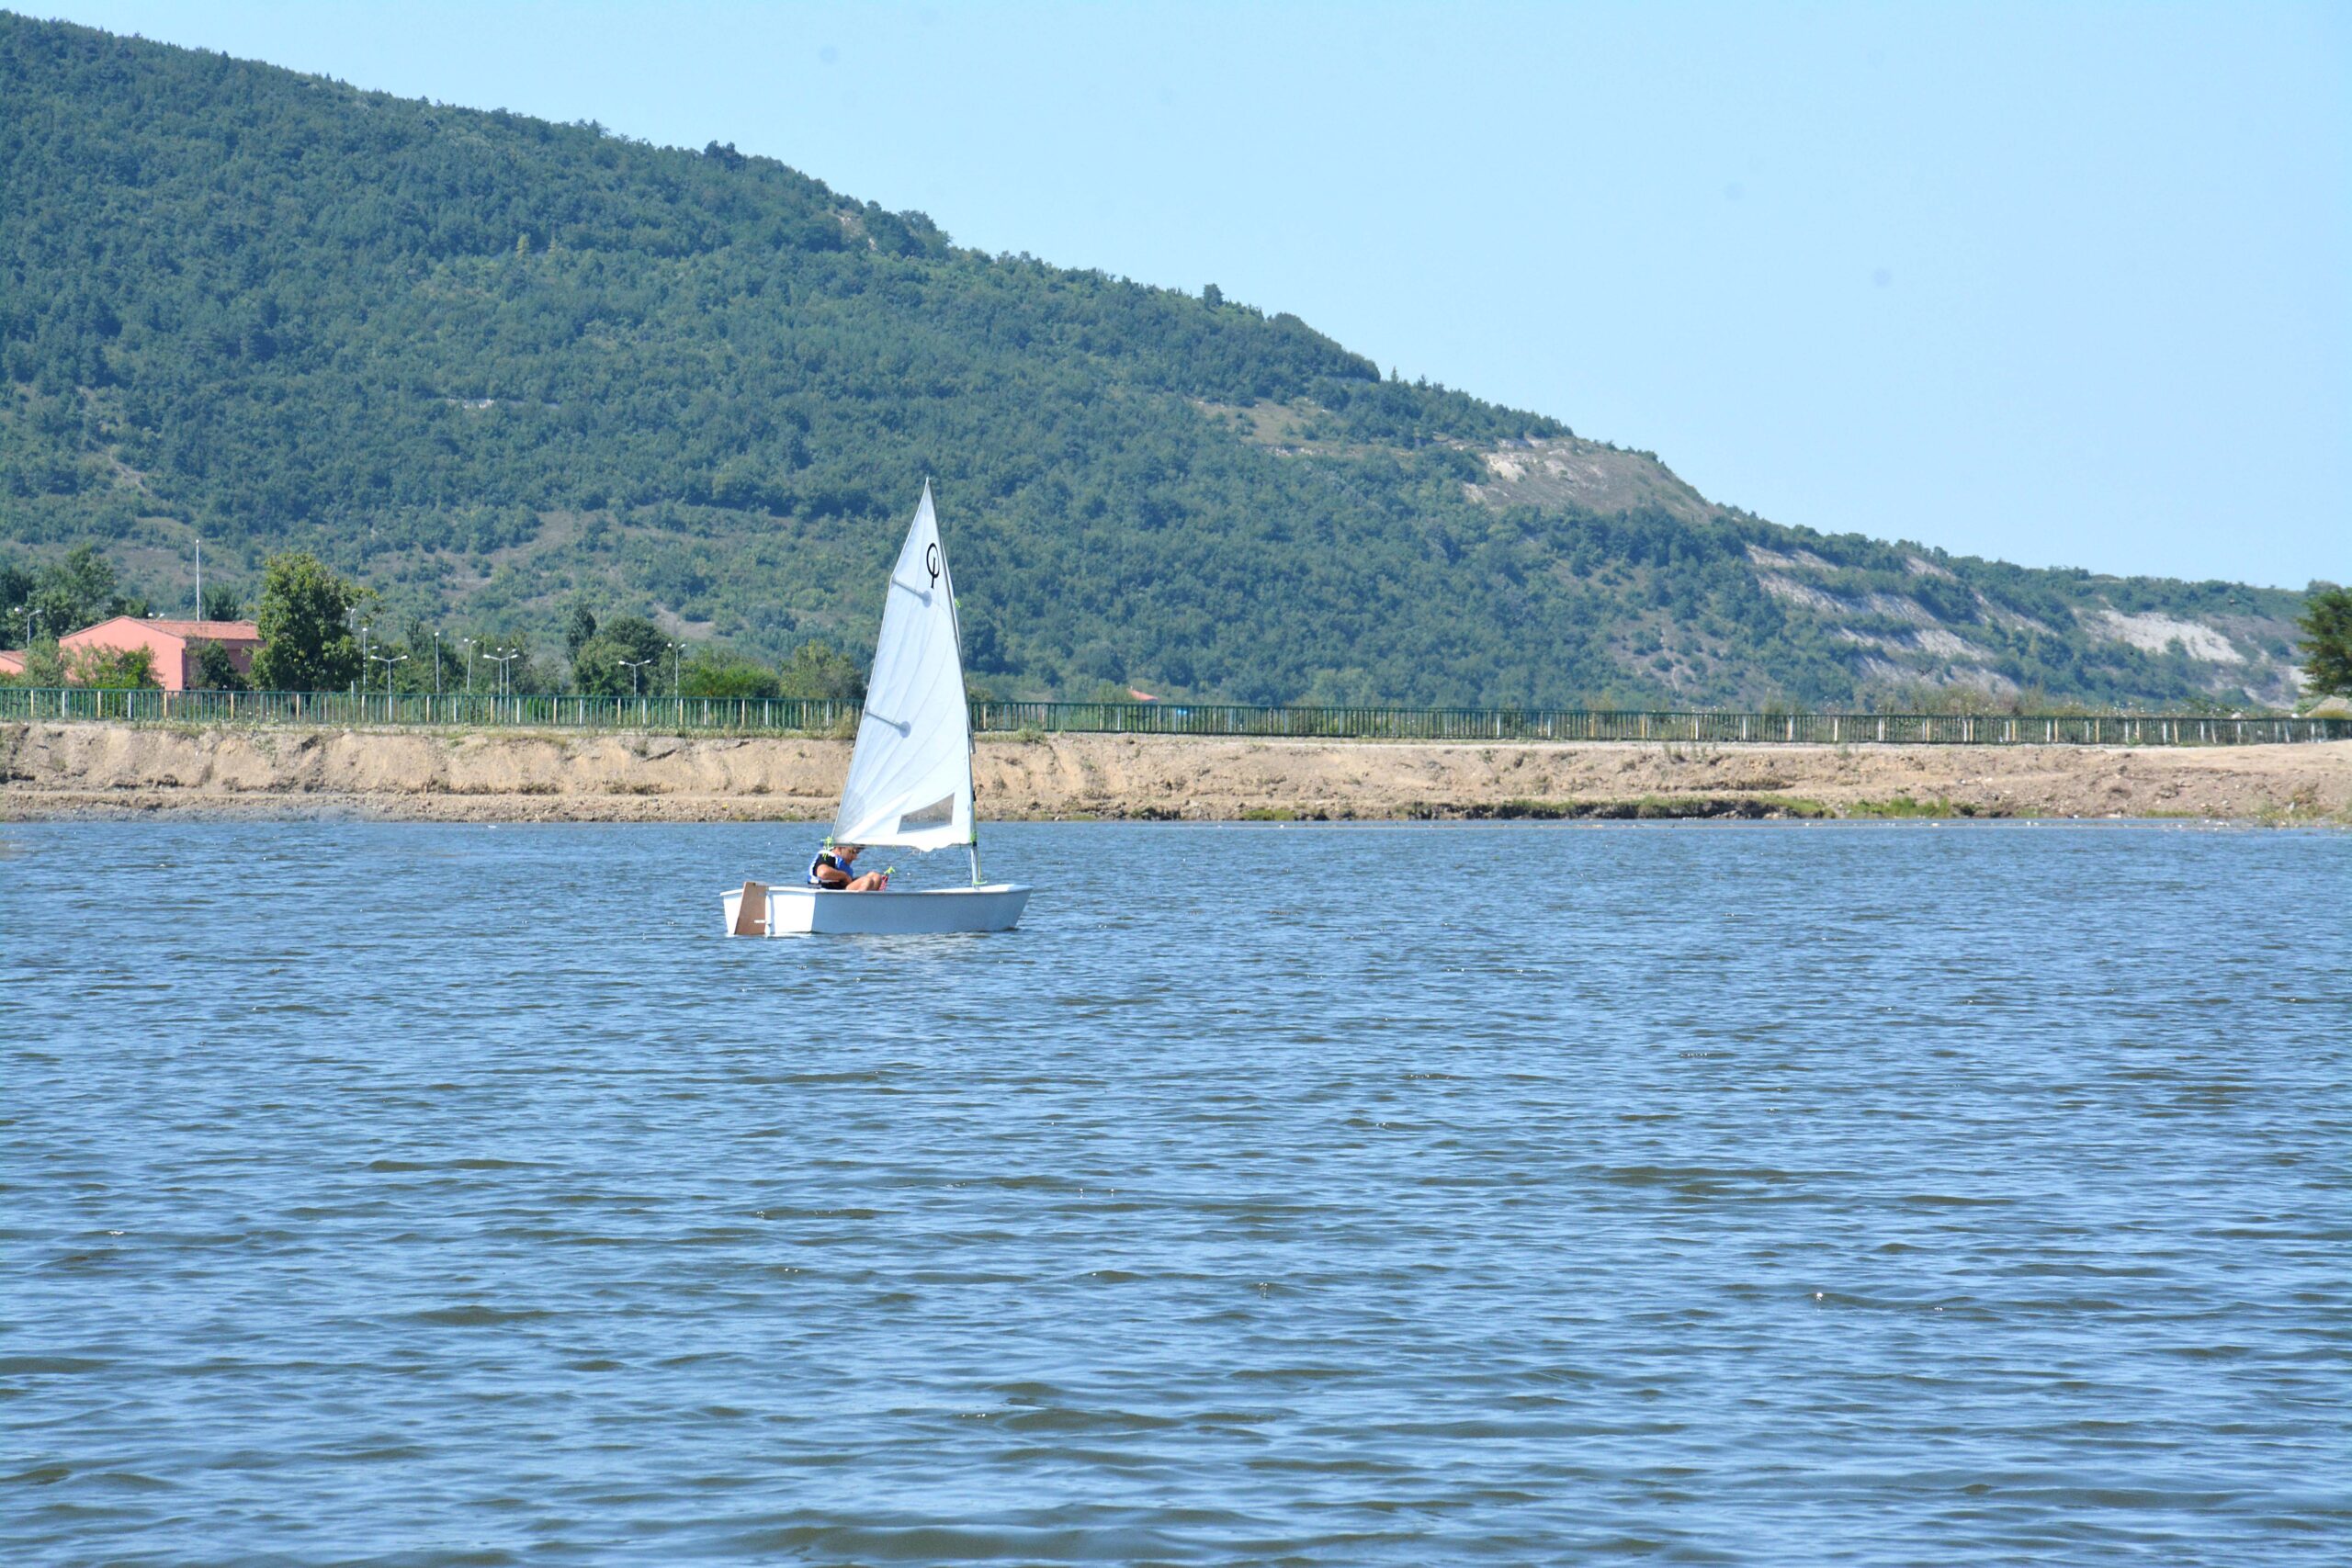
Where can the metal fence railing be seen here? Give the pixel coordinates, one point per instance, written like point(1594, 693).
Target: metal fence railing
point(455, 709)
point(823, 715)
point(1570, 724)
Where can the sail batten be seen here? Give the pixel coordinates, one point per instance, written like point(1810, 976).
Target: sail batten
point(910, 776)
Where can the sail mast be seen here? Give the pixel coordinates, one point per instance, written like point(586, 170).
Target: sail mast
point(971, 741)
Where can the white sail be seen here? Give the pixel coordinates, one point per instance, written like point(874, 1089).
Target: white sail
point(910, 777)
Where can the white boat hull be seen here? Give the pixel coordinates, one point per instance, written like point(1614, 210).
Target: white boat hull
point(932, 911)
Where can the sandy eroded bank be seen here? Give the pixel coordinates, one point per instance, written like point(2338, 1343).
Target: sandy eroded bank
point(48, 769)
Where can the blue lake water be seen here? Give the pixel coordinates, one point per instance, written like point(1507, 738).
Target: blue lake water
point(1781, 1195)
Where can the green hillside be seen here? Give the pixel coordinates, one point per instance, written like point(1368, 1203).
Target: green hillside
point(485, 363)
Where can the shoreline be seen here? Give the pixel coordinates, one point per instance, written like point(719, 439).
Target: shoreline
point(52, 769)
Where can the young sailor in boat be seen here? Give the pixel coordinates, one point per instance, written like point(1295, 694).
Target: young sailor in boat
point(836, 869)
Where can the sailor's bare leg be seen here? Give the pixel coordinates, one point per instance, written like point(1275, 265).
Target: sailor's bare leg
point(870, 883)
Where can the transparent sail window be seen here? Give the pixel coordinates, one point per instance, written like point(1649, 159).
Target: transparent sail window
point(938, 814)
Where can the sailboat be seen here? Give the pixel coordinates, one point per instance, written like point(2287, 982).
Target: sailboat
point(910, 777)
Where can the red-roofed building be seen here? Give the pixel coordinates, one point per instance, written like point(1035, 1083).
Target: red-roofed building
point(12, 660)
point(172, 642)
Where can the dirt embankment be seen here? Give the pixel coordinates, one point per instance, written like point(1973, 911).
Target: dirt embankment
point(51, 769)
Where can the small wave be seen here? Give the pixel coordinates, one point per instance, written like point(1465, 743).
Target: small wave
point(478, 1163)
point(29, 1366)
point(1065, 1419)
point(833, 1542)
point(477, 1316)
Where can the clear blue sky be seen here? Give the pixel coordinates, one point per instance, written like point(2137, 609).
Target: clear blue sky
point(2067, 285)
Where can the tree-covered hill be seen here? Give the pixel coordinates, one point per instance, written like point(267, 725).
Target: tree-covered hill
point(486, 365)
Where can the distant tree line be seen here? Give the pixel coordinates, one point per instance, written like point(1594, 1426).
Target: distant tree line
point(323, 632)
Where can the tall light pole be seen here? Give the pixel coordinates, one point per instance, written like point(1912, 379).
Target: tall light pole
point(31, 612)
point(633, 666)
point(436, 663)
point(388, 663)
point(502, 658)
point(363, 657)
point(677, 668)
point(470, 664)
point(199, 576)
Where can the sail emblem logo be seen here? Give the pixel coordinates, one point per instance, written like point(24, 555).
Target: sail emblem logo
point(931, 562)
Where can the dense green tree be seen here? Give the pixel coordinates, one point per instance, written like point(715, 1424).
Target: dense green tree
point(77, 590)
point(816, 669)
point(625, 657)
point(305, 622)
point(44, 666)
point(15, 605)
point(717, 672)
point(112, 668)
point(215, 670)
point(579, 625)
point(2327, 641)
point(221, 603)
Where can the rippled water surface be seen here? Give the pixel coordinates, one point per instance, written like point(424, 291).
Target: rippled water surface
point(1796, 1195)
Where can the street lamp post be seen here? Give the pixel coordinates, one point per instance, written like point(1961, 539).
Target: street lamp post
point(363, 657)
point(31, 612)
point(387, 663)
point(677, 668)
point(436, 665)
point(633, 666)
point(468, 643)
point(502, 658)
